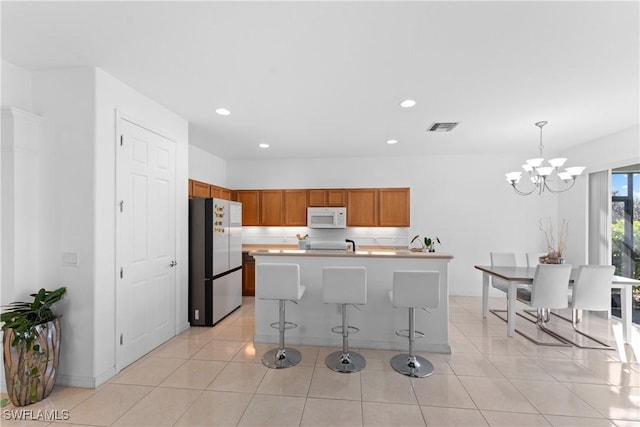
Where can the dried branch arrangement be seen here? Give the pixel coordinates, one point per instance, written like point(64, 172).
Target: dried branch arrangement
point(554, 252)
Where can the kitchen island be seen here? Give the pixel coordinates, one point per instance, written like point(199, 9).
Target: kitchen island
point(378, 319)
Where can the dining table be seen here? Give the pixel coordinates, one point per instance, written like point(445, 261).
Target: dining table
point(517, 276)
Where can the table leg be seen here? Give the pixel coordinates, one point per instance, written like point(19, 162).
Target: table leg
point(485, 294)
point(626, 312)
point(511, 308)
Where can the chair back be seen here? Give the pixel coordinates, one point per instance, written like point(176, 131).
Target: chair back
point(278, 281)
point(344, 285)
point(503, 259)
point(533, 259)
point(550, 288)
point(592, 288)
point(416, 288)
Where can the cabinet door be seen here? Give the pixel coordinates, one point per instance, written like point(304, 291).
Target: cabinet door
point(220, 192)
point(200, 189)
point(271, 207)
point(394, 207)
point(250, 200)
point(336, 198)
point(225, 194)
point(317, 198)
point(248, 275)
point(295, 207)
point(362, 208)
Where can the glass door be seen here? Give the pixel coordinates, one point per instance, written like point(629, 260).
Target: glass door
point(625, 232)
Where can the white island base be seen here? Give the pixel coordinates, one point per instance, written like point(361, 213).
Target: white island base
point(377, 320)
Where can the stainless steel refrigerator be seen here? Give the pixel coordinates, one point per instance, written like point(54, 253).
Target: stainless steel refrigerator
point(215, 259)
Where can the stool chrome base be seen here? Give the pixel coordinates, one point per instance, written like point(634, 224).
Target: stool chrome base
point(281, 358)
point(412, 366)
point(347, 363)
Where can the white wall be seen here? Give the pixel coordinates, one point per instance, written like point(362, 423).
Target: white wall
point(74, 196)
point(16, 87)
point(112, 95)
point(206, 167)
point(65, 100)
point(463, 199)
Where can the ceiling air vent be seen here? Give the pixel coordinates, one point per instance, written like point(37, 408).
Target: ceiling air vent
point(443, 127)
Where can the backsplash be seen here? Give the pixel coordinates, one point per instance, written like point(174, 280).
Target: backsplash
point(363, 236)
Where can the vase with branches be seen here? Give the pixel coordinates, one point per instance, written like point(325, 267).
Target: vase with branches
point(555, 249)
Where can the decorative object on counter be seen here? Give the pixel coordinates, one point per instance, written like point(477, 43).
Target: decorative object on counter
point(540, 175)
point(31, 347)
point(554, 253)
point(428, 244)
point(303, 241)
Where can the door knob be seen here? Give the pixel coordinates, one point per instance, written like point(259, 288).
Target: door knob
point(173, 263)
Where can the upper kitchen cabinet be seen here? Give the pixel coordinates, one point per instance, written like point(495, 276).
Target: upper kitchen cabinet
point(250, 200)
point(321, 198)
point(220, 193)
point(271, 204)
point(336, 198)
point(200, 189)
point(393, 207)
point(362, 207)
point(295, 207)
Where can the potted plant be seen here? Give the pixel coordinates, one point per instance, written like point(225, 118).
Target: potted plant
point(31, 346)
point(428, 244)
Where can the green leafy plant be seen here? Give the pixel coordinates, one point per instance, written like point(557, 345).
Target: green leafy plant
point(429, 242)
point(30, 361)
point(23, 317)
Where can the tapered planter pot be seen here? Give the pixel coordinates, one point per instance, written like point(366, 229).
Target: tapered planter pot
point(31, 373)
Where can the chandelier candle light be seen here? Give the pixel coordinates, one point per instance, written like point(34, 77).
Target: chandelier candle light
point(541, 175)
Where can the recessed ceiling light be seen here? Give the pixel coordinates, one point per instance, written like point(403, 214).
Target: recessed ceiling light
point(223, 111)
point(392, 141)
point(263, 145)
point(407, 103)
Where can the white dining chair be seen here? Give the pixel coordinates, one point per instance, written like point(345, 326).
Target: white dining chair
point(503, 259)
point(533, 259)
point(549, 290)
point(591, 291)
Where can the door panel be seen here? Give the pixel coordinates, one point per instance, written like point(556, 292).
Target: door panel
point(145, 246)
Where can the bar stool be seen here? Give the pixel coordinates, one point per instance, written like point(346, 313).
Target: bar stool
point(280, 282)
point(414, 289)
point(344, 285)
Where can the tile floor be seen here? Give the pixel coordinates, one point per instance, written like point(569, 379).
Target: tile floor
point(213, 377)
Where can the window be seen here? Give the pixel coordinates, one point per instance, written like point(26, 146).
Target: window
point(625, 231)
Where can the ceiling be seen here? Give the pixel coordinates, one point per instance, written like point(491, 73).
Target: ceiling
point(325, 79)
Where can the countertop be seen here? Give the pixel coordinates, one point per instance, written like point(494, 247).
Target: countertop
point(367, 252)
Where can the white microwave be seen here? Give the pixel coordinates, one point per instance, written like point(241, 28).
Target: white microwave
point(327, 217)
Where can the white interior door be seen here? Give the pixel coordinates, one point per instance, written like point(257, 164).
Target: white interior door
point(145, 246)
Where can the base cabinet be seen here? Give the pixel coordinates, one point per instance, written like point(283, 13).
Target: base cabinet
point(248, 275)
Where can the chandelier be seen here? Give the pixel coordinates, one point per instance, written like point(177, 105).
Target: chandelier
point(543, 177)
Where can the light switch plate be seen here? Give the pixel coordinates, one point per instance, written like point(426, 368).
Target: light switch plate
point(70, 259)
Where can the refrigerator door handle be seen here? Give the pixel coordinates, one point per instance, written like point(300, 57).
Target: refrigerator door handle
point(173, 263)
